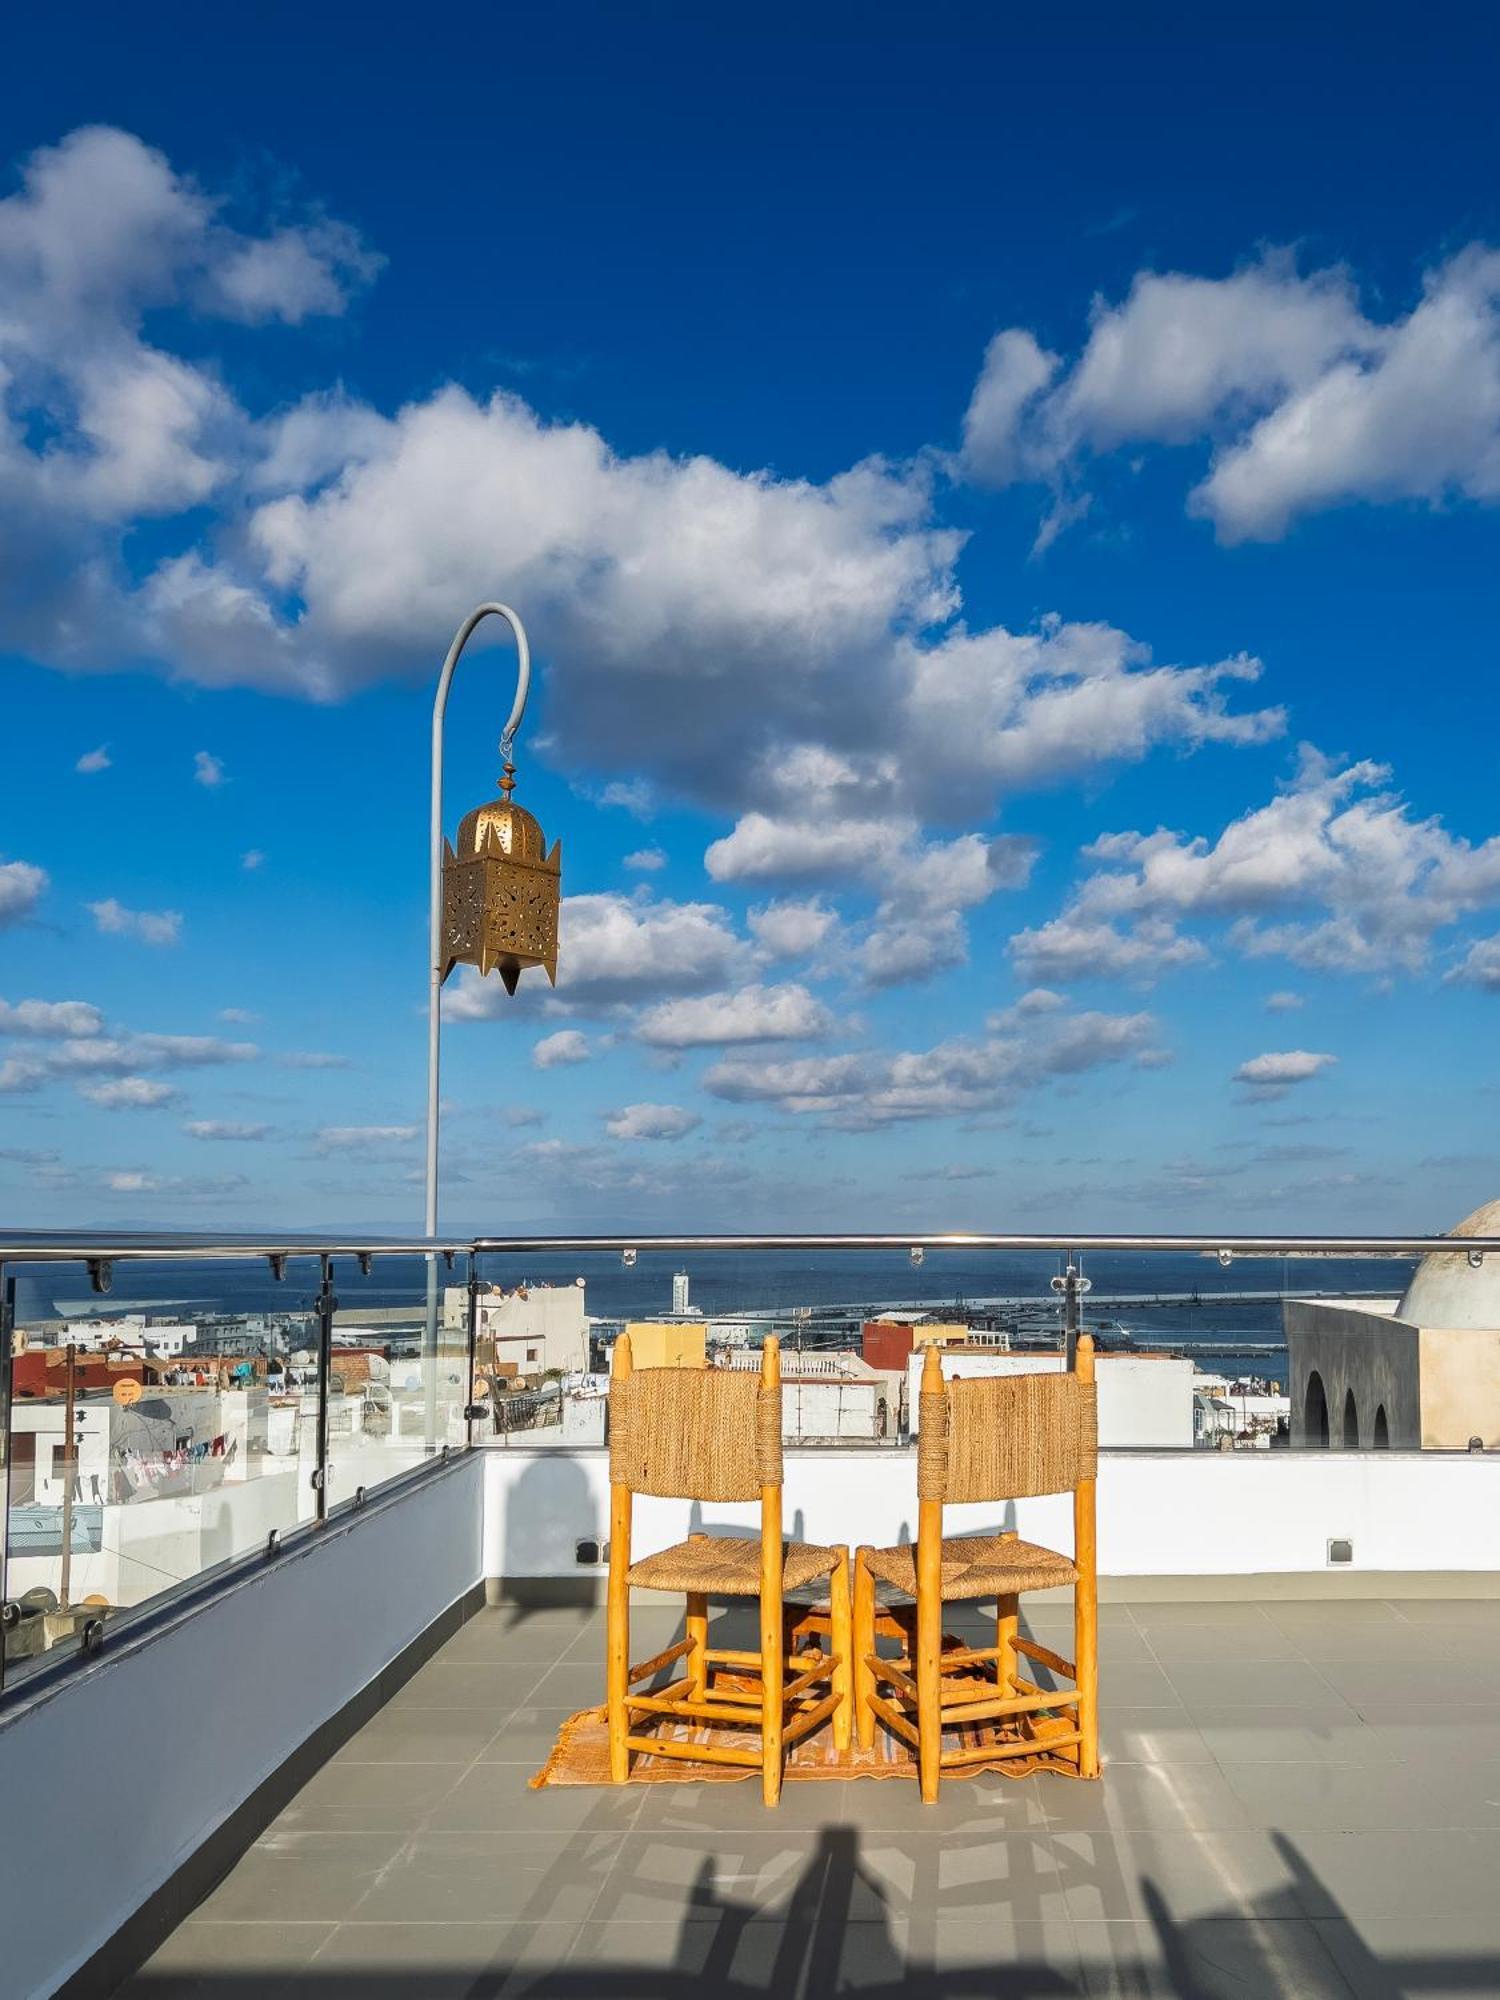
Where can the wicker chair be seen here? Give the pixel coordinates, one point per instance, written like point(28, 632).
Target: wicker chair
point(995, 1438)
point(714, 1434)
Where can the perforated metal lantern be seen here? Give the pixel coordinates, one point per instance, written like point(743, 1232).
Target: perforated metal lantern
point(501, 891)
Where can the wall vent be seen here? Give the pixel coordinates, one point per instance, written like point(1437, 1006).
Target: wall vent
point(1340, 1551)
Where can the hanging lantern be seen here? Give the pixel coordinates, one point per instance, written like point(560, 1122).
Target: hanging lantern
point(501, 891)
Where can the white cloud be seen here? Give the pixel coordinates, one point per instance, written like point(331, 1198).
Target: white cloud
point(94, 760)
point(150, 926)
point(632, 795)
point(1309, 402)
point(647, 860)
point(959, 1077)
point(22, 884)
point(1334, 873)
point(568, 1045)
point(1283, 1002)
point(252, 859)
point(1273, 1074)
point(749, 1014)
point(240, 1016)
point(651, 1121)
point(1074, 947)
point(223, 1128)
point(70, 1019)
point(208, 770)
point(310, 1059)
point(362, 1138)
point(21, 1073)
point(129, 1093)
point(131, 1180)
point(1479, 966)
point(787, 929)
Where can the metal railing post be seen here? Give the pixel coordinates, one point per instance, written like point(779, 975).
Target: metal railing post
point(469, 1396)
point(327, 1305)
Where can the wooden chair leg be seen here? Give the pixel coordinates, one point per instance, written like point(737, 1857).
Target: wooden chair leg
point(1086, 1660)
point(617, 1671)
point(929, 1689)
point(1007, 1622)
point(841, 1643)
point(863, 1644)
point(696, 1632)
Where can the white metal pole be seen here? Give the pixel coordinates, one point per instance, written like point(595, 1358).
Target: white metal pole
point(435, 952)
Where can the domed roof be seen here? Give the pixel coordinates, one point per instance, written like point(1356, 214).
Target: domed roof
point(516, 836)
point(1447, 1290)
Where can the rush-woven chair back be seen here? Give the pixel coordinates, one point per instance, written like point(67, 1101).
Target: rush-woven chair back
point(714, 1435)
point(989, 1439)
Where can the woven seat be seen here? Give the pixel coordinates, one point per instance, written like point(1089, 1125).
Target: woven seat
point(724, 1566)
point(977, 1566)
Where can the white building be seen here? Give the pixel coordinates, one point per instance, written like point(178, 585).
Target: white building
point(1144, 1399)
point(535, 1328)
point(163, 1340)
point(680, 1289)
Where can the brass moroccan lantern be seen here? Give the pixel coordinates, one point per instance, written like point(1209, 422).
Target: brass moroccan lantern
point(501, 891)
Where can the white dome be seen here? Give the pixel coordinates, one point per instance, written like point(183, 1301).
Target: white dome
point(1447, 1290)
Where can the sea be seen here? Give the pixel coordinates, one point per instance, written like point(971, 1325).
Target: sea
point(1228, 1315)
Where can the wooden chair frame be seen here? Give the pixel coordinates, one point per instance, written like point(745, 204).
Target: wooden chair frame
point(796, 1691)
point(935, 1689)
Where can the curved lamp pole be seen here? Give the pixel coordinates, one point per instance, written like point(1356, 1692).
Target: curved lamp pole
point(435, 956)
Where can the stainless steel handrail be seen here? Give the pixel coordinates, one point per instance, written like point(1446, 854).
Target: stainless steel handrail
point(51, 1245)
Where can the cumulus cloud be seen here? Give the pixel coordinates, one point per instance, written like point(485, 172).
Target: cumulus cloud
point(789, 929)
point(646, 860)
point(1479, 966)
point(749, 1014)
point(1334, 873)
point(68, 1019)
point(149, 926)
point(208, 770)
point(1306, 400)
point(1283, 1002)
point(962, 1076)
point(94, 760)
point(91, 1056)
point(651, 1121)
point(1273, 1074)
point(224, 1128)
point(22, 885)
point(129, 1093)
point(568, 1045)
point(1074, 947)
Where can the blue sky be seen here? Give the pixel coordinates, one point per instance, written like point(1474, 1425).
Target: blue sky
point(1006, 517)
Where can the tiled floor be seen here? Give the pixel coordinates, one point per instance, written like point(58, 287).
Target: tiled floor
point(1299, 1799)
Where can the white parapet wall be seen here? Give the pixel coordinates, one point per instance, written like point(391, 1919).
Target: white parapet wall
point(161, 1738)
point(1161, 1514)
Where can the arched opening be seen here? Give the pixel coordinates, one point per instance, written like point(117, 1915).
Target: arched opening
point(1351, 1422)
point(1315, 1412)
point(1382, 1429)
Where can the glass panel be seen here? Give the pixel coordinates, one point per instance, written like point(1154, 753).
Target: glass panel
point(156, 1431)
point(392, 1340)
point(1193, 1352)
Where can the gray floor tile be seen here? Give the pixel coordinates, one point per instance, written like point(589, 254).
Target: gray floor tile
point(422, 1736)
point(570, 1686)
point(1405, 1874)
point(525, 1737)
point(199, 1953)
point(368, 1798)
point(472, 1684)
point(299, 1877)
point(666, 1879)
point(1333, 1733)
point(1422, 1683)
point(480, 1959)
point(1149, 1795)
point(1190, 1876)
point(1150, 1736)
point(1248, 1683)
point(497, 1798)
point(1136, 1684)
point(1287, 1960)
point(993, 1954)
point(1187, 1643)
point(1410, 1958)
point(1002, 1875)
point(448, 1877)
point(1369, 1797)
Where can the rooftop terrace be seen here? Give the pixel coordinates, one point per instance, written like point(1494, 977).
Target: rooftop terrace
point(1300, 1798)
